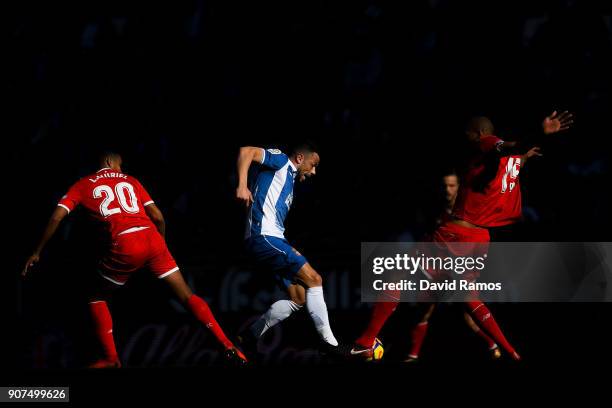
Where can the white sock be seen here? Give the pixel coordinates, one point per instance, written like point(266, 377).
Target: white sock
point(278, 312)
point(318, 312)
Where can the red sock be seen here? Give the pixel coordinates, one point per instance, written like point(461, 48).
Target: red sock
point(418, 335)
point(483, 317)
point(103, 325)
point(202, 312)
point(490, 342)
point(380, 313)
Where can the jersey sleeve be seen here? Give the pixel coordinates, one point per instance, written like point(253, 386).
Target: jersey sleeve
point(142, 193)
point(72, 198)
point(274, 158)
point(490, 144)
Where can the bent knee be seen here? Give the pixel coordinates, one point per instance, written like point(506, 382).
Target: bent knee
point(314, 279)
point(309, 277)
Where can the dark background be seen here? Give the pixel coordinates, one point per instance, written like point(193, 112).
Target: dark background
point(383, 88)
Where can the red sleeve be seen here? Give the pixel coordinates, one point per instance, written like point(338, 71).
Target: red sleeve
point(490, 143)
point(72, 198)
point(143, 195)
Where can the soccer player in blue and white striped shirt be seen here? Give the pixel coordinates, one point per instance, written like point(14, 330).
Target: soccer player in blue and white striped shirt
point(268, 202)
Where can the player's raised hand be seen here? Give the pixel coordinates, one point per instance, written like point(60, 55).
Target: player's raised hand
point(244, 195)
point(533, 152)
point(557, 122)
point(34, 258)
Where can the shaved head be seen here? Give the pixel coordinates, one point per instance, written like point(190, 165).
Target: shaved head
point(479, 126)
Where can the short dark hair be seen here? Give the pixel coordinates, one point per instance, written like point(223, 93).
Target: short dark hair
point(304, 147)
point(108, 154)
point(450, 172)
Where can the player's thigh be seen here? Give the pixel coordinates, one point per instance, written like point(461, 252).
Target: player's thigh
point(178, 285)
point(162, 264)
point(159, 260)
point(297, 294)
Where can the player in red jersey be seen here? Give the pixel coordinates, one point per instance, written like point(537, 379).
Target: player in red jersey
point(136, 229)
point(490, 196)
point(418, 333)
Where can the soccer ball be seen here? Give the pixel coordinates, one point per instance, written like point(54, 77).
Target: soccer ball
point(377, 350)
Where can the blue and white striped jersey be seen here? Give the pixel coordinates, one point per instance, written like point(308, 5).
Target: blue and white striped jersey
point(272, 195)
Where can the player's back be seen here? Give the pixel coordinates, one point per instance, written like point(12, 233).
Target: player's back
point(115, 199)
point(490, 194)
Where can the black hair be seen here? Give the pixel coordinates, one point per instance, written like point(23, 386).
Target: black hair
point(108, 154)
point(450, 172)
point(304, 147)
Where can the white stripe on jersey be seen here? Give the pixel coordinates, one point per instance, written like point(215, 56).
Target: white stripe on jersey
point(133, 229)
point(269, 225)
point(64, 207)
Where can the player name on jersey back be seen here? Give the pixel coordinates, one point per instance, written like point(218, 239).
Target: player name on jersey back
point(108, 175)
point(111, 197)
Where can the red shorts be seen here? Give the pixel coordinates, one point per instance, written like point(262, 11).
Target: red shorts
point(459, 241)
point(451, 232)
point(132, 250)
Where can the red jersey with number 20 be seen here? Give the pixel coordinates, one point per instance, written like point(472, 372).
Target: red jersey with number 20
point(113, 198)
point(495, 202)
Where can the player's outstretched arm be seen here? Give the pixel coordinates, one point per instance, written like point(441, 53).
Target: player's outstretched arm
point(157, 217)
point(54, 222)
point(556, 122)
point(533, 152)
point(247, 155)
